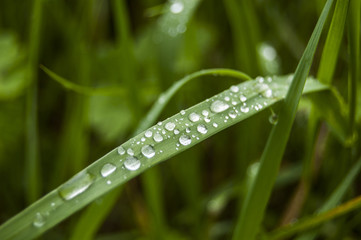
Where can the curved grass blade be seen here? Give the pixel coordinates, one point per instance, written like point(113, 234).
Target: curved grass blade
point(256, 200)
point(157, 144)
point(98, 211)
point(83, 89)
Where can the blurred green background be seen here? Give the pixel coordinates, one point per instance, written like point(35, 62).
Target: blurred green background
point(140, 47)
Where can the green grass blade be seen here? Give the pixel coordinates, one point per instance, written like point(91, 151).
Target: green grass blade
point(245, 100)
point(256, 200)
point(89, 91)
point(32, 171)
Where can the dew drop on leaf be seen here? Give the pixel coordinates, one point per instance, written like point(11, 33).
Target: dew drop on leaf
point(107, 169)
point(194, 117)
point(242, 98)
point(130, 151)
point(169, 126)
point(273, 119)
point(121, 150)
point(76, 185)
point(234, 89)
point(185, 140)
point(219, 106)
point(132, 163)
point(157, 137)
point(148, 133)
point(148, 151)
point(39, 220)
point(202, 129)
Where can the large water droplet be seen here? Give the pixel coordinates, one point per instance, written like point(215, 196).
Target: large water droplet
point(185, 140)
point(39, 220)
point(121, 150)
point(76, 185)
point(169, 126)
point(132, 163)
point(148, 133)
point(219, 106)
point(202, 129)
point(157, 137)
point(148, 151)
point(194, 117)
point(177, 7)
point(107, 169)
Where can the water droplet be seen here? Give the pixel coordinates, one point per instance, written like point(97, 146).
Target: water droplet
point(132, 163)
point(242, 98)
point(207, 119)
point(188, 130)
point(273, 119)
point(39, 220)
point(142, 139)
point(182, 112)
point(157, 137)
point(176, 7)
point(109, 182)
point(267, 93)
point(107, 169)
point(219, 106)
point(234, 103)
point(121, 150)
point(185, 140)
point(260, 79)
point(194, 117)
point(159, 123)
point(76, 185)
point(269, 79)
point(244, 109)
point(148, 151)
point(176, 131)
point(232, 114)
point(130, 151)
point(202, 129)
point(215, 125)
point(169, 126)
point(234, 89)
point(227, 99)
point(205, 113)
point(148, 133)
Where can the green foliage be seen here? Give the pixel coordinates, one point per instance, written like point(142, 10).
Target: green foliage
point(78, 78)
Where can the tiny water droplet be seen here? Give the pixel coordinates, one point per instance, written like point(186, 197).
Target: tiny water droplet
point(185, 140)
point(169, 126)
point(176, 131)
point(157, 137)
point(109, 182)
point(219, 106)
point(132, 163)
point(159, 123)
point(121, 150)
point(205, 113)
point(182, 112)
point(142, 139)
point(202, 129)
point(260, 79)
point(242, 98)
point(176, 7)
point(215, 125)
point(227, 99)
point(76, 185)
point(273, 119)
point(244, 109)
point(234, 103)
point(188, 130)
point(130, 152)
point(194, 117)
point(267, 93)
point(39, 220)
point(234, 89)
point(269, 79)
point(207, 119)
point(107, 169)
point(148, 151)
point(148, 133)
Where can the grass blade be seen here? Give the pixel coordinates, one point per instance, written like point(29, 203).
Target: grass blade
point(247, 99)
point(256, 200)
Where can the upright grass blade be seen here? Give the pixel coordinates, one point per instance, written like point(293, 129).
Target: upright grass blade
point(256, 200)
point(157, 144)
point(32, 171)
point(97, 211)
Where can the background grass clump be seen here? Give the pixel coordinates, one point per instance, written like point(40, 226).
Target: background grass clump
point(79, 78)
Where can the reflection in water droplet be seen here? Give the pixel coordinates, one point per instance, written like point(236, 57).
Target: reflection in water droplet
point(185, 140)
point(234, 89)
point(194, 117)
point(121, 150)
point(169, 126)
point(132, 163)
point(148, 133)
point(76, 185)
point(39, 220)
point(202, 129)
point(157, 137)
point(219, 106)
point(242, 98)
point(177, 7)
point(273, 119)
point(107, 169)
point(148, 151)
